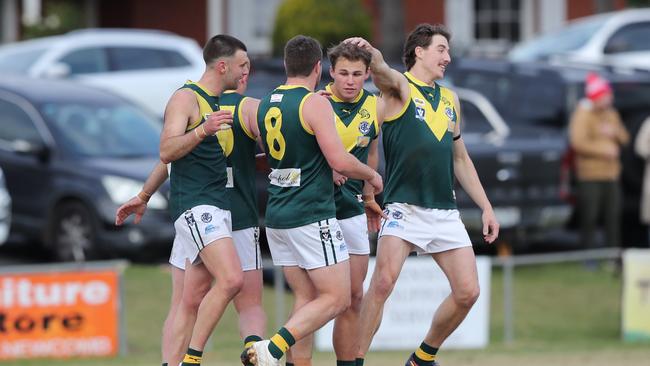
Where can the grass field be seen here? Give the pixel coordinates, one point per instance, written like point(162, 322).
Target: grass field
point(564, 315)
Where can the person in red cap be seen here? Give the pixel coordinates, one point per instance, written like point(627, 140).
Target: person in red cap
point(596, 134)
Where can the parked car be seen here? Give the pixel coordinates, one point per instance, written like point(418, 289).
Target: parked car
point(5, 210)
point(71, 154)
point(617, 39)
point(545, 95)
point(145, 66)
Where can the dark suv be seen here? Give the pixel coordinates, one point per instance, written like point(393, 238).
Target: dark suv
point(71, 154)
point(543, 95)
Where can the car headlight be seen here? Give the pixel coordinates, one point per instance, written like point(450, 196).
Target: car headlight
point(122, 189)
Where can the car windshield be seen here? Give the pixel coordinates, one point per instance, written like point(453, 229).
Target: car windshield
point(18, 61)
point(116, 130)
point(567, 39)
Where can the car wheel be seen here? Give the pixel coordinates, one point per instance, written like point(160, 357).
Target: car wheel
point(73, 233)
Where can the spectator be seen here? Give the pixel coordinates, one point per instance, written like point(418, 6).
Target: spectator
point(642, 148)
point(596, 135)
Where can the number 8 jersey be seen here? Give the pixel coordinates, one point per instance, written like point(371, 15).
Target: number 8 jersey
point(300, 183)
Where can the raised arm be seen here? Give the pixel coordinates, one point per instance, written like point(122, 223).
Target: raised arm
point(390, 82)
point(182, 108)
point(319, 115)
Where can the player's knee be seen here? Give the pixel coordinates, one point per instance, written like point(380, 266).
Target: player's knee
point(383, 285)
point(467, 296)
point(355, 300)
point(340, 303)
point(233, 283)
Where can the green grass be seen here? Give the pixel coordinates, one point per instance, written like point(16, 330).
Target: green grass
point(564, 315)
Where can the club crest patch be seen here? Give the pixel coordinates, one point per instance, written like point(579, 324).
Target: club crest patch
point(325, 235)
point(364, 127)
point(339, 235)
point(397, 215)
point(206, 217)
point(450, 113)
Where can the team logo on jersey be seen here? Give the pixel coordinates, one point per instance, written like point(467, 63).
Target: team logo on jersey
point(364, 113)
point(397, 215)
point(276, 98)
point(364, 127)
point(419, 113)
point(339, 235)
point(418, 101)
point(450, 113)
point(206, 217)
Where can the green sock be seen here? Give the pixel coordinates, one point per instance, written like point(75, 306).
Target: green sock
point(192, 357)
point(248, 341)
point(289, 364)
point(425, 355)
point(165, 364)
point(359, 361)
point(345, 363)
point(280, 343)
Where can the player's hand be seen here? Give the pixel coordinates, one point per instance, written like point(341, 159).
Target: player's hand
point(377, 183)
point(217, 121)
point(374, 214)
point(133, 206)
point(339, 179)
point(490, 226)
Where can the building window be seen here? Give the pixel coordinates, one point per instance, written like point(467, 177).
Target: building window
point(497, 20)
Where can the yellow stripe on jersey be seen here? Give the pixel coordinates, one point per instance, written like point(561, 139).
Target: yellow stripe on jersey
point(401, 112)
point(242, 121)
point(351, 134)
point(304, 124)
point(227, 137)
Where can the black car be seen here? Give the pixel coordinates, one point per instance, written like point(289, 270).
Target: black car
point(541, 95)
point(71, 154)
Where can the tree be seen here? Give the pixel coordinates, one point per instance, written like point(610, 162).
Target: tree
point(328, 21)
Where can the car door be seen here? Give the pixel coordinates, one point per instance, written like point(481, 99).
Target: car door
point(25, 151)
point(629, 46)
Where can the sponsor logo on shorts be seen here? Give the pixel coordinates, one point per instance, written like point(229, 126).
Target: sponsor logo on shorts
point(189, 217)
point(364, 127)
point(339, 235)
point(325, 233)
point(394, 225)
point(397, 215)
point(342, 247)
point(206, 217)
point(209, 229)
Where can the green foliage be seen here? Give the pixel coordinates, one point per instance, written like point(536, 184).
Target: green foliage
point(638, 3)
point(328, 21)
point(60, 17)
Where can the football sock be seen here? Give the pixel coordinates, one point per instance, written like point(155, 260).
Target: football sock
point(425, 355)
point(280, 343)
point(192, 357)
point(359, 361)
point(345, 363)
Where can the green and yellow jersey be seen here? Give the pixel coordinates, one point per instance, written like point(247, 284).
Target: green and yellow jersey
point(300, 183)
point(238, 144)
point(199, 178)
point(357, 125)
point(418, 145)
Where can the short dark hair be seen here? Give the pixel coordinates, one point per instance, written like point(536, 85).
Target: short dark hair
point(421, 37)
point(350, 52)
point(301, 53)
point(221, 45)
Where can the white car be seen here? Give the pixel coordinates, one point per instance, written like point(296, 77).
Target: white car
point(620, 39)
point(5, 210)
point(145, 66)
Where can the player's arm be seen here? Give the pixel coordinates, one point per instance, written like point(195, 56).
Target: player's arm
point(465, 172)
point(138, 204)
point(174, 141)
point(374, 213)
point(390, 82)
point(319, 115)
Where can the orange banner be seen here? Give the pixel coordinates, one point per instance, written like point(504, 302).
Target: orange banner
point(64, 314)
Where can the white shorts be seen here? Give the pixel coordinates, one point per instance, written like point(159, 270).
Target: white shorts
point(310, 246)
point(198, 227)
point(430, 230)
point(247, 244)
point(355, 233)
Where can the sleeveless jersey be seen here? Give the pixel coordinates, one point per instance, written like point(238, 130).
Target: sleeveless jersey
point(418, 145)
point(300, 183)
point(199, 178)
point(357, 125)
point(238, 144)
